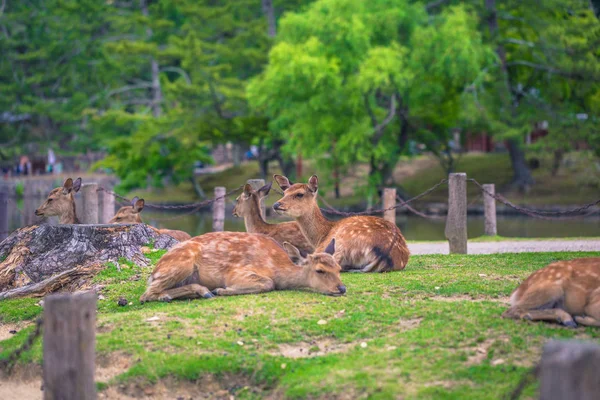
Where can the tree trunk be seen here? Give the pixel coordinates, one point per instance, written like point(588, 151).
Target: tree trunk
point(68, 254)
point(155, 70)
point(558, 156)
point(522, 178)
point(269, 11)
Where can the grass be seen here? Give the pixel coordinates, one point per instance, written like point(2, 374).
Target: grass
point(423, 335)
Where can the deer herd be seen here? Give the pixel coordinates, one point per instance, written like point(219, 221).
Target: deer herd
point(310, 253)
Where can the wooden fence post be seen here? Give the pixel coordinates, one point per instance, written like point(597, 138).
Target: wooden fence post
point(389, 200)
point(89, 214)
point(569, 370)
point(219, 210)
point(456, 222)
point(257, 184)
point(108, 205)
point(489, 209)
point(69, 346)
point(3, 213)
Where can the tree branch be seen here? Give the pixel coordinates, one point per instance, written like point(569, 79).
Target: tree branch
point(380, 128)
point(552, 70)
point(181, 72)
point(434, 4)
point(123, 89)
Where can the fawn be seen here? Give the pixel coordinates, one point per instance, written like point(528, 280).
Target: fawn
point(61, 203)
point(248, 206)
point(558, 292)
point(364, 244)
point(131, 215)
point(232, 263)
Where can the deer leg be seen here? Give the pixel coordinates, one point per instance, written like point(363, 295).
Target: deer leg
point(553, 314)
point(192, 291)
point(592, 311)
point(251, 284)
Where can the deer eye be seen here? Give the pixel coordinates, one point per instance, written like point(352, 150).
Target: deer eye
point(299, 195)
point(49, 200)
point(320, 271)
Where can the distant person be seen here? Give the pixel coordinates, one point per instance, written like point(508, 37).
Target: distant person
point(25, 165)
point(51, 160)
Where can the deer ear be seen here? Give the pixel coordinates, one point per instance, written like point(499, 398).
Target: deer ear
point(330, 247)
point(133, 201)
point(139, 205)
point(264, 191)
point(248, 189)
point(67, 186)
point(293, 253)
point(77, 185)
point(283, 182)
point(313, 183)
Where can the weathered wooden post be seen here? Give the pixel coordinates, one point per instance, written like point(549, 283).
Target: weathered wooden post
point(89, 214)
point(489, 209)
point(389, 200)
point(569, 370)
point(257, 184)
point(69, 346)
point(108, 205)
point(456, 222)
point(3, 212)
point(219, 210)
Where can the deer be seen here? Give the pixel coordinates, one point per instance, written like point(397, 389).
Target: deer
point(61, 203)
point(248, 207)
point(567, 292)
point(131, 215)
point(238, 263)
point(364, 243)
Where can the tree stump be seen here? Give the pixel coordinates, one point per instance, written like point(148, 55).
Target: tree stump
point(37, 260)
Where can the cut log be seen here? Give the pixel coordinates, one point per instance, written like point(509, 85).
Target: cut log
point(38, 260)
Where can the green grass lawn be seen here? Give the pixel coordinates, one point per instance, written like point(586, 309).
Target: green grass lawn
point(432, 331)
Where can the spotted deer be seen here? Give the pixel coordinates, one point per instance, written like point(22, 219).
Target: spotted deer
point(234, 263)
point(364, 244)
point(61, 203)
point(131, 215)
point(567, 292)
point(248, 206)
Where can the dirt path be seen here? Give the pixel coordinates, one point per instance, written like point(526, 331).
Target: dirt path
point(509, 246)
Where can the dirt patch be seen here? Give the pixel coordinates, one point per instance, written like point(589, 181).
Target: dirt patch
point(407, 324)
point(481, 352)
point(466, 297)
point(315, 348)
point(111, 365)
point(8, 330)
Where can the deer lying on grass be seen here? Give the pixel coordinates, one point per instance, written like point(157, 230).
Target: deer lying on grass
point(131, 215)
point(248, 206)
point(559, 292)
point(232, 263)
point(61, 203)
point(364, 244)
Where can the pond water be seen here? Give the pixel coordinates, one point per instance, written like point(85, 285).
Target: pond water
point(413, 227)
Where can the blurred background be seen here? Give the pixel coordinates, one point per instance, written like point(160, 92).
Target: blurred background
point(168, 99)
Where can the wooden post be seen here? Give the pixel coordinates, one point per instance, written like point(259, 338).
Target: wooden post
point(89, 214)
point(456, 222)
point(3, 213)
point(489, 207)
point(108, 205)
point(257, 184)
point(69, 346)
point(569, 370)
point(389, 200)
point(219, 210)
point(30, 202)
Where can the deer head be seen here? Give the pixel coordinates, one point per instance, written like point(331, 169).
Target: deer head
point(298, 257)
point(129, 214)
point(298, 199)
point(322, 272)
point(60, 202)
point(249, 200)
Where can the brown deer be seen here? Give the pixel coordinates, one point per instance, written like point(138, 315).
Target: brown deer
point(248, 206)
point(558, 292)
point(61, 203)
point(131, 215)
point(364, 244)
point(232, 263)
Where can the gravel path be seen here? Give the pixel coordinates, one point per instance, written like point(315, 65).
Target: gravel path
point(509, 246)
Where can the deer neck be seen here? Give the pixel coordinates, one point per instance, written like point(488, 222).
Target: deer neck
point(70, 216)
point(314, 225)
point(290, 276)
point(254, 221)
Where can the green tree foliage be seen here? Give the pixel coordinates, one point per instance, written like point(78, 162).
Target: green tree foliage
point(351, 81)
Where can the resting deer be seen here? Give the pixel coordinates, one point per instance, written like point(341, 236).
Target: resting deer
point(131, 215)
point(232, 263)
point(364, 244)
point(248, 206)
point(559, 292)
point(61, 203)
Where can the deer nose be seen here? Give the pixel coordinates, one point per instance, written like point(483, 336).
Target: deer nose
point(342, 289)
point(276, 206)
